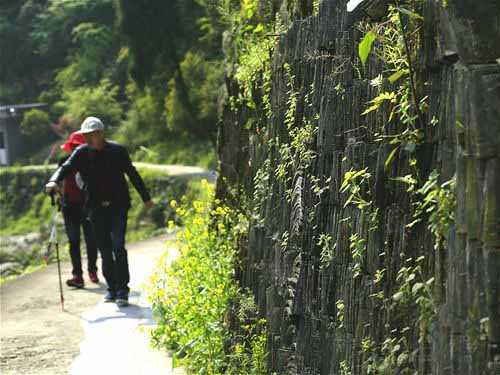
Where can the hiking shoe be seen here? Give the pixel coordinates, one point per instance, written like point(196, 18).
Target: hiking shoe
point(75, 281)
point(122, 298)
point(93, 277)
point(110, 296)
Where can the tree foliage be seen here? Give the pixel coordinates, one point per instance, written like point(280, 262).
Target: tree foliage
point(158, 34)
point(34, 122)
point(150, 69)
point(202, 84)
point(97, 101)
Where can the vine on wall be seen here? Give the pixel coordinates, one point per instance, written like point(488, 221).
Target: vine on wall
point(285, 137)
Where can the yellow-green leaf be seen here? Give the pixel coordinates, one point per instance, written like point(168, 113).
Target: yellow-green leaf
point(365, 46)
point(378, 100)
point(396, 75)
point(410, 13)
point(390, 157)
point(258, 28)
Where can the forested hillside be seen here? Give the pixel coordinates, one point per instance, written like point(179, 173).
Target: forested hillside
point(151, 71)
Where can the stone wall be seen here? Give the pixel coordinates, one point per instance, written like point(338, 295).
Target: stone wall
point(319, 316)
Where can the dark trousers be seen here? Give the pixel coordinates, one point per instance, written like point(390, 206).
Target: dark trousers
point(74, 218)
point(110, 225)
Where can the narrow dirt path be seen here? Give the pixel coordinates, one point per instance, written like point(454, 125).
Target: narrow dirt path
point(89, 336)
point(36, 337)
point(174, 170)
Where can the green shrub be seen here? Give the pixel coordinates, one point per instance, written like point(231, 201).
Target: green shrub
point(88, 64)
point(143, 125)
point(24, 206)
point(191, 104)
point(99, 101)
point(35, 123)
point(191, 297)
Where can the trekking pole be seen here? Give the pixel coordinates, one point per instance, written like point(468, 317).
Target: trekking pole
point(53, 242)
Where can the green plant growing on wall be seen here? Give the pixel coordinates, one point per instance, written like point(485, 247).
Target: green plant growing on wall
point(352, 185)
point(395, 354)
point(327, 248)
point(398, 40)
point(379, 276)
point(413, 297)
point(254, 66)
point(317, 187)
point(301, 142)
point(262, 189)
point(357, 246)
point(368, 347)
point(248, 354)
point(297, 152)
point(395, 42)
point(477, 329)
point(285, 164)
point(438, 202)
point(252, 35)
point(365, 46)
point(292, 94)
point(345, 368)
point(316, 5)
point(285, 238)
point(340, 306)
point(411, 309)
point(415, 289)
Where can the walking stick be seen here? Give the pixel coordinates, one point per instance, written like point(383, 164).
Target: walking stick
point(53, 242)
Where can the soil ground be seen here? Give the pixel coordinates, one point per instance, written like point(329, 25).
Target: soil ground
point(88, 336)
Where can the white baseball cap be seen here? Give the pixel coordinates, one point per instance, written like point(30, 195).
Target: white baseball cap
point(91, 124)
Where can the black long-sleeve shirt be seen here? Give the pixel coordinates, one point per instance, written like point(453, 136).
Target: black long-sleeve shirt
point(103, 172)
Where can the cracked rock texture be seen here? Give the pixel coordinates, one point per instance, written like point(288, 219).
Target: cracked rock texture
point(298, 297)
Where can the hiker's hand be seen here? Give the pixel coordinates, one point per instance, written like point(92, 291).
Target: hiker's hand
point(149, 204)
point(51, 187)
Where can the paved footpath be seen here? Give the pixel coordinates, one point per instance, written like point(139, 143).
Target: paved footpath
point(90, 337)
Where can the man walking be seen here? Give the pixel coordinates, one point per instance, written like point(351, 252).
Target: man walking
point(102, 165)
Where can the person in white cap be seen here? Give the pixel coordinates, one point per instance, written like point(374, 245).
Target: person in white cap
point(103, 164)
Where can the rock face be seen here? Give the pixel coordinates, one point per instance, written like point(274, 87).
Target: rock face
point(348, 304)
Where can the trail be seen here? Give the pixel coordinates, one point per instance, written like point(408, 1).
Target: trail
point(174, 170)
point(89, 337)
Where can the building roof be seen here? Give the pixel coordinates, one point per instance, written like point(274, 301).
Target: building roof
point(7, 111)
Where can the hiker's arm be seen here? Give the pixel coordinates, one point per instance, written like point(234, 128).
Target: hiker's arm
point(70, 165)
point(135, 178)
point(62, 160)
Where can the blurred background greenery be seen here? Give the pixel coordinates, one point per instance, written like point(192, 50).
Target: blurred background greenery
point(152, 71)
